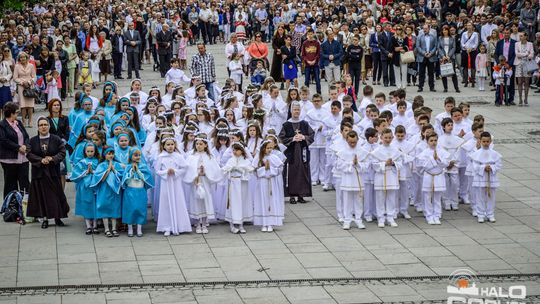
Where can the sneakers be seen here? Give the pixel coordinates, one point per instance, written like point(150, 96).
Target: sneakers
point(480, 219)
point(242, 230)
point(346, 225)
point(455, 208)
point(492, 220)
point(474, 213)
point(436, 221)
point(393, 224)
point(341, 220)
point(359, 224)
point(234, 230)
point(447, 208)
point(264, 229)
point(419, 210)
point(325, 187)
point(204, 230)
point(406, 215)
point(166, 233)
point(430, 222)
point(369, 219)
point(381, 225)
point(199, 229)
point(270, 229)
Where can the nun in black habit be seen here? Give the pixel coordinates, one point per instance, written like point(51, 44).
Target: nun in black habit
point(46, 199)
point(297, 135)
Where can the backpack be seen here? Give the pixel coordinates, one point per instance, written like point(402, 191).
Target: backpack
point(12, 209)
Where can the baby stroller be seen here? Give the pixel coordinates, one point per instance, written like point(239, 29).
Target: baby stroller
point(253, 64)
point(41, 87)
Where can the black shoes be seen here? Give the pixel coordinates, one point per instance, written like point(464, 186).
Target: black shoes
point(59, 223)
point(301, 200)
point(292, 201)
point(45, 224)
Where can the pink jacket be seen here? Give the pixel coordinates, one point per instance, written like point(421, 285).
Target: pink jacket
point(481, 61)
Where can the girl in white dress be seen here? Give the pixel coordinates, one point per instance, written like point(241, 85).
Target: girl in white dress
point(269, 200)
point(202, 173)
point(173, 215)
point(238, 208)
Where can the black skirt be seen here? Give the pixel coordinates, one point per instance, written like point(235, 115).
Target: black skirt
point(47, 198)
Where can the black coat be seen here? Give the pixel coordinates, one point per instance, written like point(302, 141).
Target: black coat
point(9, 147)
point(63, 128)
point(162, 39)
point(55, 149)
point(385, 45)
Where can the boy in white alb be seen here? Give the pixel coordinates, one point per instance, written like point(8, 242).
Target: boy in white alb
point(405, 174)
point(338, 144)
point(449, 104)
point(451, 144)
point(371, 144)
point(401, 118)
point(467, 149)
point(335, 119)
point(386, 161)
point(367, 99)
point(276, 109)
point(352, 161)
point(319, 120)
point(486, 164)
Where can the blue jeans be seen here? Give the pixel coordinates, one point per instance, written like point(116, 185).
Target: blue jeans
point(210, 87)
point(315, 71)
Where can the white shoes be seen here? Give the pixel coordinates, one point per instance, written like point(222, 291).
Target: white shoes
point(234, 230)
point(480, 219)
point(167, 233)
point(359, 224)
point(419, 209)
point(198, 230)
point(393, 224)
point(270, 229)
point(369, 219)
point(264, 229)
point(346, 225)
point(406, 215)
point(430, 222)
point(204, 230)
point(242, 230)
point(474, 213)
point(381, 225)
point(492, 220)
point(436, 221)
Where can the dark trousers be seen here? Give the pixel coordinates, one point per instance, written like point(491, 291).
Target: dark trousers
point(63, 77)
point(117, 63)
point(377, 69)
point(502, 95)
point(204, 29)
point(15, 177)
point(388, 72)
point(512, 86)
point(164, 63)
point(355, 70)
point(431, 74)
point(133, 63)
point(313, 71)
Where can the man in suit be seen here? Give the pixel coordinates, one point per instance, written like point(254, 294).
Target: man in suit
point(117, 42)
point(426, 56)
point(132, 41)
point(164, 41)
point(331, 55)
point(507, 48)
point(385, 46)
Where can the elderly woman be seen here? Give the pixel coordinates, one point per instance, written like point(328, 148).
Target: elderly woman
point(106, 57)
point(13, 137)
point(47, 199)
point(24, 76)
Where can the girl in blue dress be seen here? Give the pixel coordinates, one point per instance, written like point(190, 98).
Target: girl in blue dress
point(136, 181)
point(85, 198)
point(288, 58)
point(106, 182)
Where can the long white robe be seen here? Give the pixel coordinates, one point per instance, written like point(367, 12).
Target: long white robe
point(238, 207)
point(269, 200)
point(202, 206)
point(173, 214)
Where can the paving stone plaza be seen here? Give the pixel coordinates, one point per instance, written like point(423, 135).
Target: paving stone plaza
point(311, 244)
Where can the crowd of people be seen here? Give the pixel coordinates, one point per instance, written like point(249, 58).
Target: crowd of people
point(197, 151)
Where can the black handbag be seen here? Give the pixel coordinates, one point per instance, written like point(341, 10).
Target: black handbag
point(30, 93)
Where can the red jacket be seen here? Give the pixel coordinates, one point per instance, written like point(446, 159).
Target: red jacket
point(87, 44)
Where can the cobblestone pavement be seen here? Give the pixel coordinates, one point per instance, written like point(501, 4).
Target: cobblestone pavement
point(310, 245)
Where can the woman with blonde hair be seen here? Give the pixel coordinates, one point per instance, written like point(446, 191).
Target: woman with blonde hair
point(24, 76)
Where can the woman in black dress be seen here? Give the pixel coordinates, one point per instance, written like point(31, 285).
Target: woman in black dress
point(278, 41)
point(47, 199)
point(60, 127)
